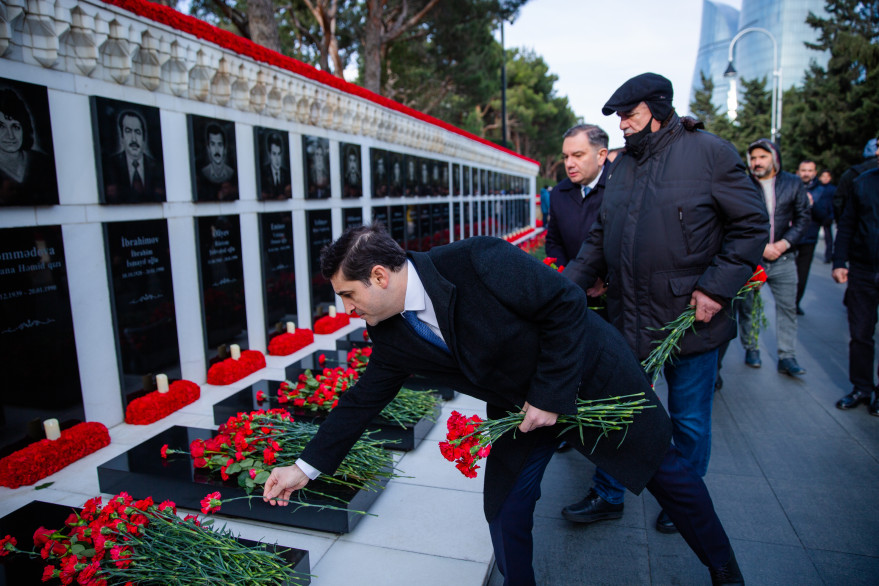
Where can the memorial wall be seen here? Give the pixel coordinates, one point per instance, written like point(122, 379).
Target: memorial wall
point(166, 188)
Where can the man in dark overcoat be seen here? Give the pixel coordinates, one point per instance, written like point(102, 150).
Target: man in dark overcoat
point(505, 329)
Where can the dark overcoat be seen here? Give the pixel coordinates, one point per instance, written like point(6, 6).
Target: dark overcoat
point(517, 331)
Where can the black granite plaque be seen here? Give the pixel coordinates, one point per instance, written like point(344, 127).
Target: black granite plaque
point(440, 224)
point(139, 264)
point(320, 233)
point(128, 152)
point(316, 158)
point(39, 362)
point(468, 186)
point(272, 149)
point(27, 156)
point(213, 158)
point(279, 275)
point(20, 570)
point(222, 282)
point(393, 435)
point(425, 187)
point(378, 160)
point(396, 175)
point(456, 179)
point(444, 178)
point(397, 221)
point(352, 217)
point(352, 177)
point(380, 215)
point(456, 221)
point(483, 183)
point(410, 165)
point(142, 472)
point(468, 220)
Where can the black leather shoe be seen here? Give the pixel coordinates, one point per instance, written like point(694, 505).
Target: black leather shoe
point(874, 407)
point(728, 573)
point(854, 399)
point(790, 366)
point(664, 523)
point(752, 358)
point(800, 311)
point(718, 383)
point(591, 509)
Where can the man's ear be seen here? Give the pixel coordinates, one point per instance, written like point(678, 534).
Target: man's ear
point(380, 276)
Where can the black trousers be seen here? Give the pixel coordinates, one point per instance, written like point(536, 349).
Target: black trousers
point(805, 252)
point(861, 300)
point(679, 490)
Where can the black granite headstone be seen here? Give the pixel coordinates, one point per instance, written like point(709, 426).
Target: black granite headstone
point(316, 158)
point(27, 178)
point(139, 263)
point(396, 175)
point(352, 177)
point(352, 217)
point(410, 165)
point(222, 282)
point(272, 150)
point(278, 271)
point(378, 160)
point(320, 233)
point(456, 179)
point(468, 186)
point(39, 362)
point(456, 221)
point(128, 152)
point(380, 215)
point(213, 159)
point(440, 223)
point(397, 222)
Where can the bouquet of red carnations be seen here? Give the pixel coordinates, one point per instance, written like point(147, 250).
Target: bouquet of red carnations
point(470, 438)
point(139, 542)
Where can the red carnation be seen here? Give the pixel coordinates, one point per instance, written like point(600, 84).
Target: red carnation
point(211, 503)
point(164, 451)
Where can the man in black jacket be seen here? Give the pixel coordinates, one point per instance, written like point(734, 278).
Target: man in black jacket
point(504, 329)
point(681, 225)
point(857, 244)
point(789, 215)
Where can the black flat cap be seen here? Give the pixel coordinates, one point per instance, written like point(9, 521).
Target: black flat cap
point(651, 88)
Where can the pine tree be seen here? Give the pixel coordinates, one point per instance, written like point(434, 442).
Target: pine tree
point(702, 107)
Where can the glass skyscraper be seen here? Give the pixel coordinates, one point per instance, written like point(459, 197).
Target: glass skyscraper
point(753, 58)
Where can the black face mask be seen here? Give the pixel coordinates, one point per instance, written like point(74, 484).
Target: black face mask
point(635, 142)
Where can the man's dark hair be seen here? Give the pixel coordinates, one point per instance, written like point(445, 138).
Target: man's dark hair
point(214, 128)
point(275, 139)
point(126, 113)
point(805, 161)
point(359, 249)
point(14, 108)
point(596, 136)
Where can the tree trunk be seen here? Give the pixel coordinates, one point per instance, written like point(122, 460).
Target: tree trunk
point(262, 24)
point(372, 46)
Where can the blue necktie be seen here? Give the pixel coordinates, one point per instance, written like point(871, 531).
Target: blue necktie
point(585, 190)
point(423, 330)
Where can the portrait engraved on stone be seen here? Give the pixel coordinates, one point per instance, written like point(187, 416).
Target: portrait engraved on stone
point(316, 152)
point(379, 172)
point(352, 180)
point(214, 158)
point(273, 162)
point(128, 141)
point(27, 157)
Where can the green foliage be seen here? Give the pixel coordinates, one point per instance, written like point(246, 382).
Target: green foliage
point(835, 112)
point(753, 116)
point(702, 107)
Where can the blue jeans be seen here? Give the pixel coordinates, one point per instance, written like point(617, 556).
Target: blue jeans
point(690, 394)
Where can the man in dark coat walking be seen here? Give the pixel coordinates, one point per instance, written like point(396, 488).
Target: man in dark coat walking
point(504, 329)
point(681, 225)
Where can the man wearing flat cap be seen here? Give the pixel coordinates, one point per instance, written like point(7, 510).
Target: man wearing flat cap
point(680, 225)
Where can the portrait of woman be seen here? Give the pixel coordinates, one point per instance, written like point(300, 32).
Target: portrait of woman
point(27, 159)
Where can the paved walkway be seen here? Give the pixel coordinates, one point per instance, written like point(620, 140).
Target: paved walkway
point(795, 481)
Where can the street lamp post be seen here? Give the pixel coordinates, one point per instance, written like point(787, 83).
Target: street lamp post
point(776, 76)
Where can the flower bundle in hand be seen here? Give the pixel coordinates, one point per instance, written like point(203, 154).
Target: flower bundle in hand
point(45, 457)
point(155, 405)
point(248, 446)
point(230, 370)
point(286, 343)
point(469, 439)
point(668, 346)
point(550, 262)
point(139, 542)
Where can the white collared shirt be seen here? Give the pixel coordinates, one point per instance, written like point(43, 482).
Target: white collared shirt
point(591, 185)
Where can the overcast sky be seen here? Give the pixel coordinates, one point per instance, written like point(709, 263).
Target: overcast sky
point(594, 46)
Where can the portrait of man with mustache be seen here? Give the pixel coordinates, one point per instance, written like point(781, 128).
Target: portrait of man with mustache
point(134, 172)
